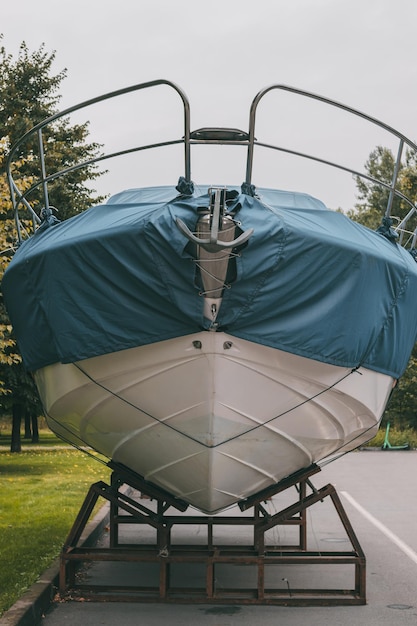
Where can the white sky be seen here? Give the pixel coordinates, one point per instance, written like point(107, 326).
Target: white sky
point(221, 53)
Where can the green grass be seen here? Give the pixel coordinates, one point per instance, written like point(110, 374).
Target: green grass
point(46, 438)
point(397, 437)
point(40, 495)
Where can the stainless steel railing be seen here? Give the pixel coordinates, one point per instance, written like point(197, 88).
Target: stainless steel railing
point(210, 135)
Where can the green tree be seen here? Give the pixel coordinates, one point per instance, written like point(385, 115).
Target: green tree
point(17, 390)
point(29, 93)
point(401, 409)
point(373, 199)
point(369, 211)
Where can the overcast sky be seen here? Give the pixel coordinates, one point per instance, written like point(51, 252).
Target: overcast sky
point(221, 53)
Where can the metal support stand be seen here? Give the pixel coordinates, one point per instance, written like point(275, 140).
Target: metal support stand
point(217, 573)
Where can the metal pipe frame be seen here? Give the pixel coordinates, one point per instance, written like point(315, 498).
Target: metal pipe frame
point(219, 136)
point(166, 555)
point(19, 197)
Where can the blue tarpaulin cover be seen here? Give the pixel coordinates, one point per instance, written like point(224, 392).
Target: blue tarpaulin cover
point(310, 282)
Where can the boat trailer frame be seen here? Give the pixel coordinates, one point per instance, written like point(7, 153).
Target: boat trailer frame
point(127, 506)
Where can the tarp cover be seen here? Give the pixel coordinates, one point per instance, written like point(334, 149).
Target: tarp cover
point(310, 282)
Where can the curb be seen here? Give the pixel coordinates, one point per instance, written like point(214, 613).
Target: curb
point(31, 607)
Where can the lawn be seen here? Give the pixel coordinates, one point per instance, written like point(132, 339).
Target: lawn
point(41, 493)
point(396, 437)
point(46, 438)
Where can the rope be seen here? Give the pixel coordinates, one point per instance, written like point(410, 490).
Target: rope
point(75, 445)
point(323, 463)
point(253, 428)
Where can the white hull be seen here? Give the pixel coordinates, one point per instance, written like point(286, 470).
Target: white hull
point(212, 418)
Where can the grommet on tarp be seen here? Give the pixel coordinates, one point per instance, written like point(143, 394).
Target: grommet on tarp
point(47, 219)
point(248, 189)
point(185, 187)
point(386, 230)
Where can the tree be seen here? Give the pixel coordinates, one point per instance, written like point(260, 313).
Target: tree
point(401, 409)
point(29, 93)
point(17, 389)
point(373, 199)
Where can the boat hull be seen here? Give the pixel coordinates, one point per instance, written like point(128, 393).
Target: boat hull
point(213, 340)
point(210, 417)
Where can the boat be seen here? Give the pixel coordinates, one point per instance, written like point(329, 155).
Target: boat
point(214, 340)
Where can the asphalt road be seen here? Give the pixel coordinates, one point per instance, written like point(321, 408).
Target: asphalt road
point(379, 492)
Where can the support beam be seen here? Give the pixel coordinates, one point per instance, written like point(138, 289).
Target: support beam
point(236, 573)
